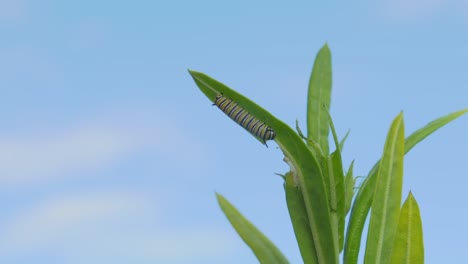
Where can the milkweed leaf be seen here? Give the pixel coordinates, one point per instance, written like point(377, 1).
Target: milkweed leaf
point(350, 181)
point(363, 200)
point(387, 197)
point(265, 251)
point(409, 244)
point(318, 99)
point(337, 191)
point(302, 160)
point(299, 220)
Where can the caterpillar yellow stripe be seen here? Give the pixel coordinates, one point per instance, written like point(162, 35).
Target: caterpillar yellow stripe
point(244, 118)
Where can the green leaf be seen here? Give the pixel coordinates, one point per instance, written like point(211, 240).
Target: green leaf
point(409, 244)
point(343, 140)
point(265, 251)
point(336, 192)
point(431, 127)
point(302, 161)
point(299, 131)
point(299, 219)
point(387, 197)
point(317, 152)
point(320, 85)
point(363, 201)
point(350, 181)
point(313, 146)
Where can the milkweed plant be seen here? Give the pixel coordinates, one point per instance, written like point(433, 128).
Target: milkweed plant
point(320, 193)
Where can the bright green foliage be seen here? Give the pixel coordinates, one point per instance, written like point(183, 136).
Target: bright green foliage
point(337, 192)
point(409, 246)
point(349, 183)
point(265, 251)
point(318, 100)
point(343, 140)
point(318, 193)
point(363, 200)
point(302, 161)
point(387, 197)
point(431, 127)
point(299, 219)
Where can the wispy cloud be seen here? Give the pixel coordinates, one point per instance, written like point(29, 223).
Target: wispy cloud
point(52, 219)
point(411, 10)
point(12, 11)
point(463, 5)
point(32, 159)
point(89, 146)
point(107, 227)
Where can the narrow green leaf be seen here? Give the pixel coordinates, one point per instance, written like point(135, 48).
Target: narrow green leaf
point(363, 201)
point(299, 219)
point(317, 152)
point(387, 197)
point(350, 181)
point(320, 85)
point(336, 192)
point(420, 134)
point(265, 251)
point(409, 244)
point(313, 146)
point(302, 161)
point(299, 131)
point(343, 140)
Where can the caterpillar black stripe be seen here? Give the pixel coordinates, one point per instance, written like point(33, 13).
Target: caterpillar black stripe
point(245, 119)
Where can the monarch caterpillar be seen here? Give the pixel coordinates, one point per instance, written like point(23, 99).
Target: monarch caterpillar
point(244, 118)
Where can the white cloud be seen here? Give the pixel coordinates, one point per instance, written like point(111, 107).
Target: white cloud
point(90, 146)
point(463, 6)
point(105, 227)
point(12, 10)
point(32, 159)
point(54, 219)
point(411, 10)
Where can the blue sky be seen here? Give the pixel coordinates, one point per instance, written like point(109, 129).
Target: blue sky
point(110, 154)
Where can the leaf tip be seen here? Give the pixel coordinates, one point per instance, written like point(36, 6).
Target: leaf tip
point(193, 73)
point(325, 50)
point(326, 46)
point(399, 118)
point(283, 176)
